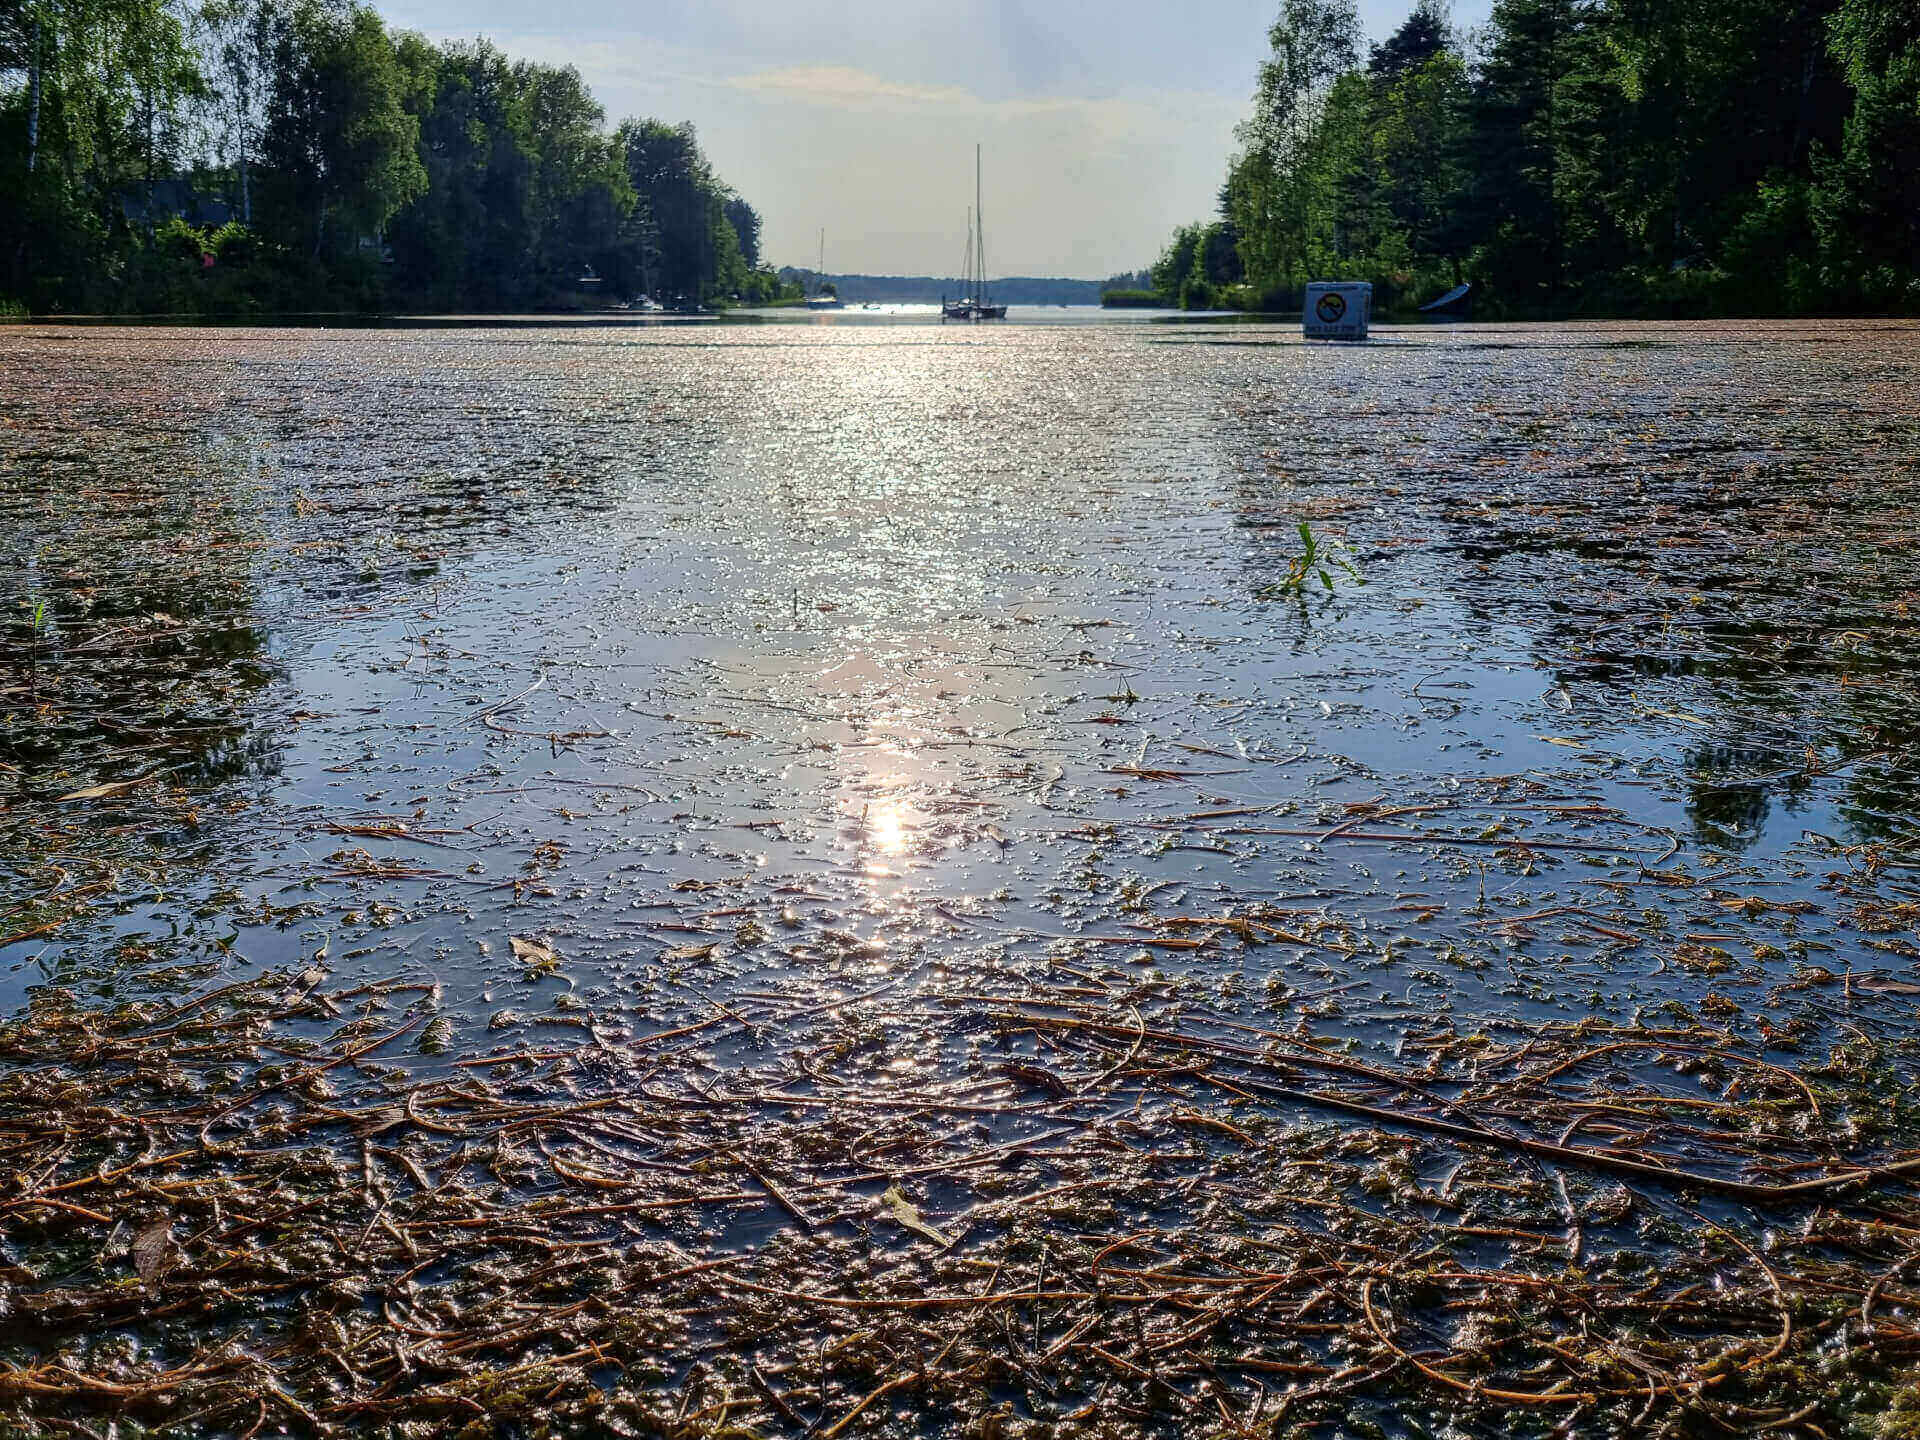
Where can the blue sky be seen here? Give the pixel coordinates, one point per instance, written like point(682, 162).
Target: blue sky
point(1105, 122)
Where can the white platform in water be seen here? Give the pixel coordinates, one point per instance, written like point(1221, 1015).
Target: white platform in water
point(1338, 310)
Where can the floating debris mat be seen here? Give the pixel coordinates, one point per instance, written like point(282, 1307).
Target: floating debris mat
point(271, 1209)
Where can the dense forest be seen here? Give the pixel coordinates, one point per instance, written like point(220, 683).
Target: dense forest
point(1598, 157)
point(259, 156)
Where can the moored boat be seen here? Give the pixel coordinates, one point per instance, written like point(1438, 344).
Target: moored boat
point(978, 305)
point(827, 296)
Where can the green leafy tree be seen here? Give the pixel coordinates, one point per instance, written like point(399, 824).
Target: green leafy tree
point(526, 193)
point(1710, 98)
point(94, 102)
point(1511, 199)
point(1866, 205)
point(1421, 96)
point(746, 228)
point(1271, 194)
point(1595, 156)
point(242, 37)
point(579, 185)
point(681, 240)
point(360, 166)
point(339, 143)
point(1424, 35)
point(1348, 171)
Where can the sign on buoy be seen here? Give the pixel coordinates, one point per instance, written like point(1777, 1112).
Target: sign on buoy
point(1338, 310)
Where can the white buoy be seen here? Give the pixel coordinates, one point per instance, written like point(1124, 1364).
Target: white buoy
point(1337, 310)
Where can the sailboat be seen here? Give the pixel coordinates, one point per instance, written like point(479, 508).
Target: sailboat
point(979, 304)
point(983, 306)
point(827, 298)
point(962, 309)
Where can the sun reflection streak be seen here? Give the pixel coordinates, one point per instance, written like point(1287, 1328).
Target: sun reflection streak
point(887, 828)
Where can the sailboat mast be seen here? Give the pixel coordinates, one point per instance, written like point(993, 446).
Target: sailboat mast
point(966, 285)
point(980, 250)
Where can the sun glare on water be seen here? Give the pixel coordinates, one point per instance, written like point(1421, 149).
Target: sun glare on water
point(887, 828)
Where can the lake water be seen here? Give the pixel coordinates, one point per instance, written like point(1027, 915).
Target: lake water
point(750, 680)
point(926, 620)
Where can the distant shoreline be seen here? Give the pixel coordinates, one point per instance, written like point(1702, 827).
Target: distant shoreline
point(796, 316)
point(932, 289)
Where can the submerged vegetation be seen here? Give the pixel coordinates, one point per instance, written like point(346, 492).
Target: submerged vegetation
point(258, 156)
point(1578, 157)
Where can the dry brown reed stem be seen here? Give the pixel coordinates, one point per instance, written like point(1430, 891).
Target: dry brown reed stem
point(1753, 1193)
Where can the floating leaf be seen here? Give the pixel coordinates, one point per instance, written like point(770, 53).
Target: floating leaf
point(104, 792)
point(1886, 985)
point(691, 952)
point(536, 953)
point(153, 1250)
point(1679, 715)
point(896, 1204)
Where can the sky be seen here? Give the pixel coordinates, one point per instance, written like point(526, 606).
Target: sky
point(1104, 123)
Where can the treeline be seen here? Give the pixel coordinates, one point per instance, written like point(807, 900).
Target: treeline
point(1578, 157)
point(252, 156)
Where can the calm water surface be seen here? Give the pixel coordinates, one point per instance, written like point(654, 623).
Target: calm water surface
point(794, 660)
